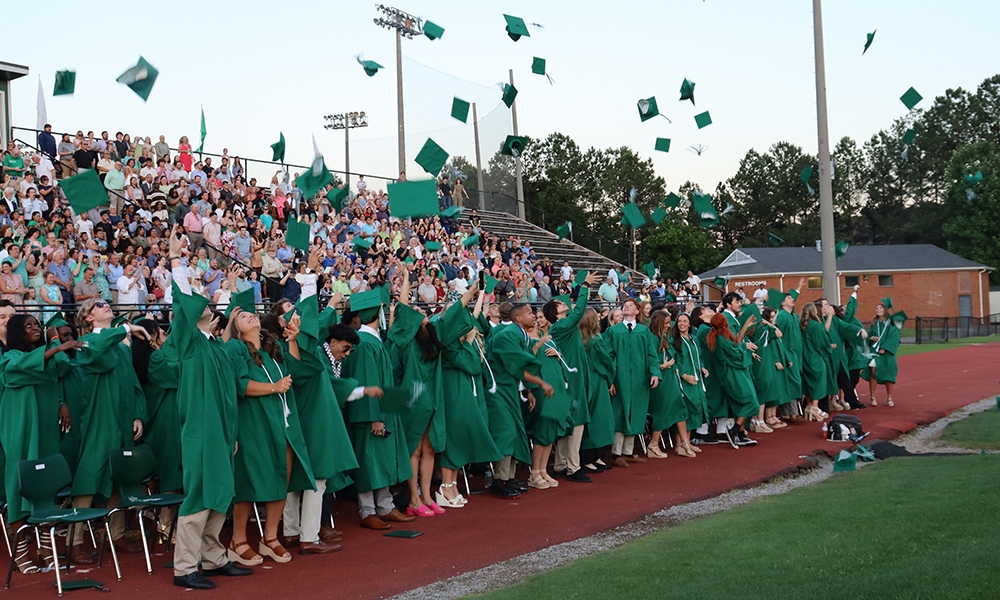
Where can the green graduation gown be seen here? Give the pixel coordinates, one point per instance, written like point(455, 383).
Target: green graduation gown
point(737, 382)
point(855, 345)
point(769, 382)
point(264, 430)
point(327, 443)
point(666, 401)
point(566, 334)
point(717, 407)
point(552, 417)
point(791, 341)
point(383, 461)
point(884, 350)
point(600, 431)
point(817, 359)
point(634, 354)
point(508, 355)
point(162, 426)
point(207, 410)
point(689, 362)
point(410, 365)
point(71, 382)
point(112, 400)
point(29, 416)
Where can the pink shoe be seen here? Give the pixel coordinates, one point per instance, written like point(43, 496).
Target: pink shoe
point(423, 511)
point(437, 509)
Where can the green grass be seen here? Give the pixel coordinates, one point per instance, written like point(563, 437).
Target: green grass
point(980, 431)
point(909, 349)
point(903, 528)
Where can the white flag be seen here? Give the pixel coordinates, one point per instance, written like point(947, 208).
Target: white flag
point(43, 116)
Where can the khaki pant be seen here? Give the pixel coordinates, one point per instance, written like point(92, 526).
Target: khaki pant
point(117, 520)
point(305, 524)
point(624, 444)
point(567, 452)
point(504, 470)
point(198, 540)
point(116, 199)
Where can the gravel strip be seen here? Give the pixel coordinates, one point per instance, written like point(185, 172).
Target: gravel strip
point(515, 570)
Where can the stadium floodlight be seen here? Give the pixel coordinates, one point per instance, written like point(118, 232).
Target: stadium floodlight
point(408, 26)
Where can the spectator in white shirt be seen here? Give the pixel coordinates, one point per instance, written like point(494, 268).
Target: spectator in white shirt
point(760, 295)
point(566, 271)
point(83, 224)
point(694, 281)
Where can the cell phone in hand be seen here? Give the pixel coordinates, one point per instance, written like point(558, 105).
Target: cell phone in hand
point(482, 280)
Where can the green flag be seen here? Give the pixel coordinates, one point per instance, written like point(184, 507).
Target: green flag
point(204, 132)
point(277, 148)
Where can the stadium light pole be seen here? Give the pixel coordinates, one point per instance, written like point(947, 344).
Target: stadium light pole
point(408, 26)
point(347, 122)
point(831, 283)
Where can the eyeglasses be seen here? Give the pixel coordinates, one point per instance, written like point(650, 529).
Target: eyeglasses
point(100, 304)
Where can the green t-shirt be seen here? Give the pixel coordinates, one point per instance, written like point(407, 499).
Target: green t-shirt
point(13, 162)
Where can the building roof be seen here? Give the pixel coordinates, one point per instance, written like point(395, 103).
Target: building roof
point(745, 262)
point(10, 71)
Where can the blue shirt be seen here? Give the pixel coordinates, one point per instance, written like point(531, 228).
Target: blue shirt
point(63, 273)
point(113, 274)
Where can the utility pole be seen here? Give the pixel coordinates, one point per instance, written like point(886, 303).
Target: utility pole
point(347, 122)
point(831, 282)
point(408, 26)
point(479, 158)
point(518, 167)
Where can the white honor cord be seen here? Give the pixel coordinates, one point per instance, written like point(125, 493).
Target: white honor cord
point(283, 396)
point(493, 388)
point(559, 354)
point(879, 331)
point(696, 354)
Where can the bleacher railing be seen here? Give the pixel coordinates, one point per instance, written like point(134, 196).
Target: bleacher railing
point(942, 329)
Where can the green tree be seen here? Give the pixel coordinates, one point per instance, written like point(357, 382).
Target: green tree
point(973, 225)
point(676, 246)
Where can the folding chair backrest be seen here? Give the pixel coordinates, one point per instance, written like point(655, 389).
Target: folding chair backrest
point(130, 467)
point(42, 479)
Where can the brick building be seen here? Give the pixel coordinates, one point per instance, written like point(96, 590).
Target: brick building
point(922, 279)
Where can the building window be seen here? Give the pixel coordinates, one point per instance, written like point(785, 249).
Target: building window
point(815, 283)
point(851, 280)
point(885, 280)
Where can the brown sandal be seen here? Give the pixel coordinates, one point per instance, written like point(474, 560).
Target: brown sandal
point(248, 557)
point(275, 550)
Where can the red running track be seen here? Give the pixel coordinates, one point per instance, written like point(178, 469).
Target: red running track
point(490, 529)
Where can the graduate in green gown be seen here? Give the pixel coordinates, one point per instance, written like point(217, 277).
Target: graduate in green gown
point(735, 356)
point(415, 350)
point(718, 410)
point(788, 322)
point(378, 436)
point(846, 332)
point(637, 371)
point(509, 354)
point(70, 382)
point(769, 378)
point(666, 402)
point(272, 459)
point(692, 373)
point(599, 434)
point(883, 336)
point(32, 415)
point(858, 352)
point(112, 408)
point(467, 378)
point(818, 383)
point(551, 416)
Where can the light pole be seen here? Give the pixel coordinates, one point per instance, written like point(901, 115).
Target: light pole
point(408, 26)
point(831, 283)
point(347, 122)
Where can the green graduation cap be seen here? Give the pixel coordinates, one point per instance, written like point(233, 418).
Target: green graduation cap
point(633, 216)
point(65, 83)
point(663, 144)
point(649, 269)
point(472, 240)
point(385, 294)
point(413, 198)
point(806, 174)
point(845, 461)
point(580, 277)
point(977, 177)
point(85, 191)
point(719, 282)
point(564, 230)
point(432, 246)
point(911, 98)
point(703, 120)
point(491, 284)
point(565, 299)
point(898, 319)
point(361, 244)
point(57, 320)
point(705, 211)
point(297, 235)
point(775, 239)
point(774, 298)
point(538, 68)
point(117, 321)
point(370, 66)
point(509, 93)
point(841, 248)
point(886, 302)
point(339, 194)
point(648, 108)
point(871, 38)
point(514, 145)
point(400, 399)
point(433, 31)
point(658, 215)
point(909, 136)
point(278, 149)
point(687, 91)
point(460, 110)
point(314, 179)
point(140, 78)
point(367, 304)
point(864, 453)
point(516, 27)
point(431, 157)
point(623, 220)
point(242, 300)
point(672, 200)
point(451, 212)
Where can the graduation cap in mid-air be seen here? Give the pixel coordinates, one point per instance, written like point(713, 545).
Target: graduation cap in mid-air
point(633, 216)
point(509, 93)
point(433, 31)
point(451, 212)
point(84, 191)
point(898, 319)
point(663, 144)
point(909, 136)
point(564, 230)
point(806, 174)
point(370, 66)
point(775, 239)
point(871, 38)
point(705, 210)
point(538, 68)
point(431, 157)
point(242, 300)
point(516, 27)
point(841, 248)
point(65, 83)
point(911, 98)
point(774, 298)
point(650, 270)
point(297, 235)
point(672, 200)
point(413, 198)
point(648, 109)
point(469, 242)
point(658, 215)
point(886, 302)
point(360, 244)
point(432, 246)
point(719, 281)
point(514, 145)
point(703, 120)
point(460, 110)
point(687, 91)
point(278, 149)
point(140, 78)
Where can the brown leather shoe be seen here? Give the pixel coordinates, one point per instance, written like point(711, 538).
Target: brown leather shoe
point(397, 517)
point(319, 547)
point(373, 522)
point(289, 541)
point(79, 556)
point(796, 419)
point(330, 536)
point(126, 547)
point(634, 459)
point(620, 462)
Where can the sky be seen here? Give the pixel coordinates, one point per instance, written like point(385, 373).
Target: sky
point(259, 68)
